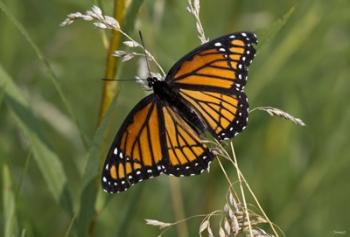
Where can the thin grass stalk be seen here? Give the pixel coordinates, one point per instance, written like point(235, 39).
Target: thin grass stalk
point(23, 174)
point(242, 191)
point(110, 86)
point(228, 157)
point(255, 198)
point(178, 207)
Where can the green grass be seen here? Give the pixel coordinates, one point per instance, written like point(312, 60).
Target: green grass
point(49, 164)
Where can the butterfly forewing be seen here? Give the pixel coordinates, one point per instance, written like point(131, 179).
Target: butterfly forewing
point(136, 153)
point(221, 63)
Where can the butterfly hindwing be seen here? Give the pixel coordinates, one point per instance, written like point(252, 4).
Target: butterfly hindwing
point(225, 114)
point(187, 155)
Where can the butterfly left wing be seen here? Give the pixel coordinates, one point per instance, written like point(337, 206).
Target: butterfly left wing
point(153, 139)
point(136, 153)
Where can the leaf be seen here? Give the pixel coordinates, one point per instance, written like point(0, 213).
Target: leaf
point(290, 44)
point(9, 204)
point(47, 161)
point(52, 76)
point(131, 15)
point(273, 29)
point(90, 185)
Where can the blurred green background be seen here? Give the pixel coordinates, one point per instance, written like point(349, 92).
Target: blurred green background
point(300, 174)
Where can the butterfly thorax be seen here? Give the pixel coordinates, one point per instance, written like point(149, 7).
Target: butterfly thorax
point(164, 92)
point(170, 95)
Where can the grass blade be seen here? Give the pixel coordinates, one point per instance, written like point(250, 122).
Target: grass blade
point(90, 183)
point(9, 204)
point(131, 15)
point(266, 36)
point(279, 56)
point(52, 76)
point(47, 161)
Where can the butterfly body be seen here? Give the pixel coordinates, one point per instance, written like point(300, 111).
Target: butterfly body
point(203, 91)
point(169, 95)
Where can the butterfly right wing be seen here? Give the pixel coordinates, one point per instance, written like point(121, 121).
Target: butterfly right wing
point(136, 153)
point(221, 64)
point(211, 80)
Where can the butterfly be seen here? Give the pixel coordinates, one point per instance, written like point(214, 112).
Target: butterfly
point(202, 92)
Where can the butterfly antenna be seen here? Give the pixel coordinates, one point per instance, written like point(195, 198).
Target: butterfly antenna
point(144, 50)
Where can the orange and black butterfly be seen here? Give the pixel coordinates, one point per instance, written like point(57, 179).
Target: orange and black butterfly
point(203, 91)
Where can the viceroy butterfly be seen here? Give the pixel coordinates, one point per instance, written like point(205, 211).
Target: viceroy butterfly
point(203, 91)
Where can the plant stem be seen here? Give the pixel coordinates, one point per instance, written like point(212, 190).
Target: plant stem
point(178, 206)
point(110, 86)
point(242, 191)
point(239, 173)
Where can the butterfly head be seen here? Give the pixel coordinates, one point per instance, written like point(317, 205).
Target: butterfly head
point(151, 81)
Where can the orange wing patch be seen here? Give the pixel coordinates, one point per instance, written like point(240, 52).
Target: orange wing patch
point(221, 63)
point(199, 61)
point(136, 154)
point(187, 155)
point(225, 114)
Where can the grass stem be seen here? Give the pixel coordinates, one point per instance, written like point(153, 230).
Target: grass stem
point(242, 191)
point(110, 86)
point(178, 206)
